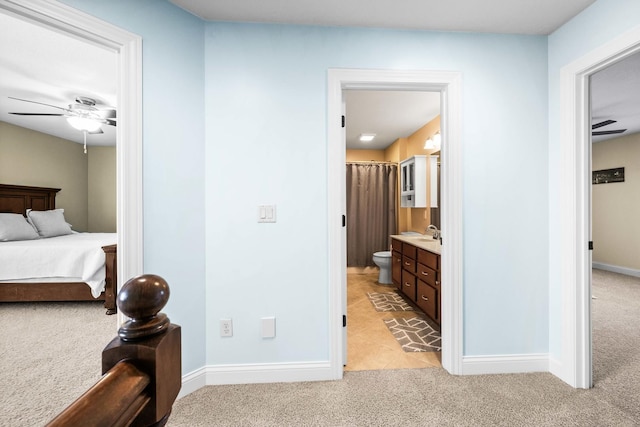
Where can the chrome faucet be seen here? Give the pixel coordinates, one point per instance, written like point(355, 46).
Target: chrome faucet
point(435, 231)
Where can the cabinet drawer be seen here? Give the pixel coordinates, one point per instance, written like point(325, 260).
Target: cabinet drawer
point(396, 245)
point(427, 299)
point(409, 250)
point(408, 264)
point(429, 259)
point(409, 285)
point(428, 275)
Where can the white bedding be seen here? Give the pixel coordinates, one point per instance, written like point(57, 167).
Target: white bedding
point(74, 255)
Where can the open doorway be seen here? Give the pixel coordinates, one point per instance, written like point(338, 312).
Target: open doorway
point(615, 171)
point(387, 329)
point(575, 353)
point(448, 84)
point(70, 22)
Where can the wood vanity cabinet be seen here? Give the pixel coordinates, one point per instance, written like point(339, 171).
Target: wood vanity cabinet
point(428, 284)
point(396, 263)
point(416, 272)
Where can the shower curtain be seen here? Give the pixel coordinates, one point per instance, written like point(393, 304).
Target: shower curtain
point(371, 210)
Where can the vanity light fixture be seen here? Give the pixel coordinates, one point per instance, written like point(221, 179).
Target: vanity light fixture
point(367, 137)
point(433, 142)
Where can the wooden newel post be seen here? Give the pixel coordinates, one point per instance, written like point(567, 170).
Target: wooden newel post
point(149, 342)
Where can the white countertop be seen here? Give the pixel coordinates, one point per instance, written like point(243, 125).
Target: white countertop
point(422, 241)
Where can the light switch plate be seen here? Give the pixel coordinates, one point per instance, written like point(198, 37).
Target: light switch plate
point(267, 213)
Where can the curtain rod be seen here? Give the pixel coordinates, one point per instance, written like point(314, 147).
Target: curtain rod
point(371, 161)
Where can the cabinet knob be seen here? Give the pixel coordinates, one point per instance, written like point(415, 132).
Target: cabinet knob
point(407, 263)
point(437, 282)
point(424, 273)
point(407, 284)
point(424, 298)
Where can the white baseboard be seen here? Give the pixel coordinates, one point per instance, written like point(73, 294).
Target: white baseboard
point(193, 381)
point(505, 364)
point(321, 371)
point(616, 269)
point(253, 374)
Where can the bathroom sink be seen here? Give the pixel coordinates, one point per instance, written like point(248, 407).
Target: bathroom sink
point(428, 239)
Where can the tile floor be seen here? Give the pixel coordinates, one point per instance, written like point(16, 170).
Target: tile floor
point(370, 345)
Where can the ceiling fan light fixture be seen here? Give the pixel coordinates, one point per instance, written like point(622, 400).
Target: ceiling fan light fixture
point(84, 124)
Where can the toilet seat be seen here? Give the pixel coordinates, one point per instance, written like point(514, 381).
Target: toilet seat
point(383, 254)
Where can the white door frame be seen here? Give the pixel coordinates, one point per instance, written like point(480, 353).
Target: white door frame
point(449, 84)
point(66, 20)
point(575, 207)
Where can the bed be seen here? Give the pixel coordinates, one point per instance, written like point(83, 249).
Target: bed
point(96, 280)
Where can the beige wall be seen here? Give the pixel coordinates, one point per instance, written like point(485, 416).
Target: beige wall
point(409, 219)
point(102, 189)
point(365, 156)
point(616, 206)
point(32, 158)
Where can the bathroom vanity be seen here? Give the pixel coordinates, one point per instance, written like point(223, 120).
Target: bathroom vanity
point(415, 271)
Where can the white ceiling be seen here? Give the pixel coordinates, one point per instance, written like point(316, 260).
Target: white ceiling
point(615, 95)
point(485, 16)
point(41, 65)
point(387, 114)
point(44, 66)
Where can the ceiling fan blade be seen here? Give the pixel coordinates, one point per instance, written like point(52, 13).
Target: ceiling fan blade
point(108, 114)
point(604, 123)
point(96, 132)
point(607, 132)
point(41, 103)
point(37, 114)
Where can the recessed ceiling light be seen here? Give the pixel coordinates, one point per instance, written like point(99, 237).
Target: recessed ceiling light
point(367, 137)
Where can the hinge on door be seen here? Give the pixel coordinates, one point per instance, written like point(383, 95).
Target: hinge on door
point(590, 245)
point(344, 121)
point(344, 221)
point(344, 320)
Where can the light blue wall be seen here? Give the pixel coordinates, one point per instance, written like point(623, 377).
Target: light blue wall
point(266, 139)
point(244, 124)
point(600, 23)
point(173, 152)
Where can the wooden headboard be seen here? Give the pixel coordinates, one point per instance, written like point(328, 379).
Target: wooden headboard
point(19, 198)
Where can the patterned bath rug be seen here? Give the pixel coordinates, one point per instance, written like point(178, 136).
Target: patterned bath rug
point(388, 301)
point(414, 334)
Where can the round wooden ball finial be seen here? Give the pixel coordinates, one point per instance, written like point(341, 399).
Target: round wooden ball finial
point(141, 299)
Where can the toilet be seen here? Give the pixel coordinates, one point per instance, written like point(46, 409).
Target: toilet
point(383, 261)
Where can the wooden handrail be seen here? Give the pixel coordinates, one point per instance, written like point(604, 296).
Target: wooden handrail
point(120, 387)
point(141, 367)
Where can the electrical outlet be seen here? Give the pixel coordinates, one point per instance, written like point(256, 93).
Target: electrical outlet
point(226, 328)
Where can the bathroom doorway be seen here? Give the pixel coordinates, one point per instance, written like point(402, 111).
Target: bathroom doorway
point(400, 123)
point(448, 84)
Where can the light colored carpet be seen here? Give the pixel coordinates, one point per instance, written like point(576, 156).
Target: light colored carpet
point(50, 353)
point(45, 366)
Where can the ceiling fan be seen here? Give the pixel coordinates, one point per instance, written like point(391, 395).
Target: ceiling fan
point(82, 115)
point(605, 132)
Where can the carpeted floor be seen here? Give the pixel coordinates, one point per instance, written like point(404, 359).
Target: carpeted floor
point(49, 354)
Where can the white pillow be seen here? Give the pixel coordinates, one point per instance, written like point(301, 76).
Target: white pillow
point(49, 223)
point(14, 226)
